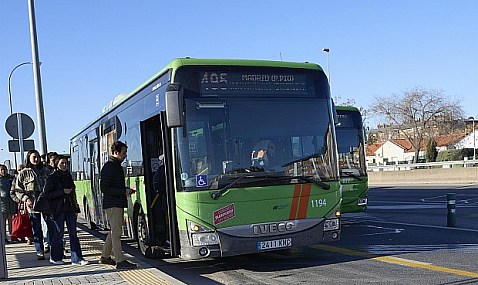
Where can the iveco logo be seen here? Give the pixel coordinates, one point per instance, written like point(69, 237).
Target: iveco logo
point(271, 228)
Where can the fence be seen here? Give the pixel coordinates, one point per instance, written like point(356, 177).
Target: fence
point(449, 172)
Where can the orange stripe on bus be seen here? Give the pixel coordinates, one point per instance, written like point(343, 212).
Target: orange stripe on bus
point(295, 203)
point(304, 201)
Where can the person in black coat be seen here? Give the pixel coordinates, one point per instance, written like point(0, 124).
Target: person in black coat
point(60, 192)
point(112, 185)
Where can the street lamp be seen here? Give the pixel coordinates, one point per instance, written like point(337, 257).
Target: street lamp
point(10, 97)
point(474, 137)
point(10, 84)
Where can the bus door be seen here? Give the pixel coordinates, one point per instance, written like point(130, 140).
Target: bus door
point(96, 203)
point(160, 201)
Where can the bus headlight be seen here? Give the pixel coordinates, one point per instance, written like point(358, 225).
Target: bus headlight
point(204, 239)
point(201, 235)
point(197, 228)
point(331, 224)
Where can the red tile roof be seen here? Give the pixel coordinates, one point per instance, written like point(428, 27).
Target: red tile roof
point(450, 139)
point(405, 144)
point(444, 140)
point(371, 149)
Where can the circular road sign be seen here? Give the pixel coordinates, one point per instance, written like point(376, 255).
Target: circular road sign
point(11, 125)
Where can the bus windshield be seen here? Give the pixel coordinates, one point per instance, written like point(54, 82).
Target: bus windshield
point(257, 137)
point(350, 144)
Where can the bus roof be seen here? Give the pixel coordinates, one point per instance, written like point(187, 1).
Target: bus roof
point(179, 62)
point(347, 108)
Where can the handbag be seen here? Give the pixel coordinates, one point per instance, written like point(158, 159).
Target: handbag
point(42, 204)
point(21, 224)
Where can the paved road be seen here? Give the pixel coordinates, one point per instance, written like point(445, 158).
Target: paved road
point(402, 239)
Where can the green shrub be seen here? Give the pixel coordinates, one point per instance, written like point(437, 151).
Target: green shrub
point(454, 154)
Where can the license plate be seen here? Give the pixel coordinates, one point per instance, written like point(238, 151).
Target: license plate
point(271, 244)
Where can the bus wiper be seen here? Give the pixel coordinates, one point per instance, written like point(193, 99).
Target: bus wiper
point(245, 170)
point(350, 174)
point(314, 181)
point(221, 191)
point(304, 178)
point(216, 195)
point(305, 158)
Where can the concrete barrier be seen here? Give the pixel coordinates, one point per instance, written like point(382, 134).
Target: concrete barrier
point(463, 175)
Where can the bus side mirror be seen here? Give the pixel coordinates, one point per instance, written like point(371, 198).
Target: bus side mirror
point(174, 110)
point(335, 116)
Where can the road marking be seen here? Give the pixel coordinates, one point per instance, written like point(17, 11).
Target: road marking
point(385, 231)
point(430, 226)
point(355, 219)
point(142, 276)
point(397, 260)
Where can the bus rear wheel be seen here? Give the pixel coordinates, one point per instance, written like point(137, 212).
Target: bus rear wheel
point(143, 238)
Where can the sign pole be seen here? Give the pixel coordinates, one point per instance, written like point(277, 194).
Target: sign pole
point(20, 138)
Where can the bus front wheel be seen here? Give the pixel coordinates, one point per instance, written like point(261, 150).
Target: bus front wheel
point(143, 238)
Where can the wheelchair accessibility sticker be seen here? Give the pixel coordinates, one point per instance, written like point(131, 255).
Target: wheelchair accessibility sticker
point(201, 181)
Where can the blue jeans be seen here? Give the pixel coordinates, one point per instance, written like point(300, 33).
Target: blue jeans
point(35, 219)
point(56, 226)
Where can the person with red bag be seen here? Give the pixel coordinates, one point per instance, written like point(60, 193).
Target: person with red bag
point(21, 224)
point(28, 186)
point(21, 215)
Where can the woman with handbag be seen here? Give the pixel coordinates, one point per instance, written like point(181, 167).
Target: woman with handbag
point(7, 205)
point(28, 186)
point(21, 224)
point(60, 192)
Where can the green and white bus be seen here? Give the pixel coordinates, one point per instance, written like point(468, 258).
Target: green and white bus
point(248, 152)
point(352, 163)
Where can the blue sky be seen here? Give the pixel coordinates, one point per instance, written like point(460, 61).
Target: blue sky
point(92, 51)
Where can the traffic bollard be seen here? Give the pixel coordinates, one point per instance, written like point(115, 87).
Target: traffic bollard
point(451, 207)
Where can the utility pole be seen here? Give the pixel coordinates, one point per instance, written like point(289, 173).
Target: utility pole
point(37, 79)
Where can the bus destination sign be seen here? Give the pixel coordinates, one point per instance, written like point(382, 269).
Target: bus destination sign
point(255, 84)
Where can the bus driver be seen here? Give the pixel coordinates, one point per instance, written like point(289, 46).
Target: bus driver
point(263, 153)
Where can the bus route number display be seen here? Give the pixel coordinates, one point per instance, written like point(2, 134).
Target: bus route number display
point(254, 84)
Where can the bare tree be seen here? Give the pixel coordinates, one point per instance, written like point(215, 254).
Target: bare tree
point(415, 113)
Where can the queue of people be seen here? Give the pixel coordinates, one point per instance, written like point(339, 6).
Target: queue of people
point(51, 182)
point(45, 189)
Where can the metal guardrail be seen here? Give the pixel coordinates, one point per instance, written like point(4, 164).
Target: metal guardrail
point(425, 165)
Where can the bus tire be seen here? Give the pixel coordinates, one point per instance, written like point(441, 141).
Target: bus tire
point(142, 232)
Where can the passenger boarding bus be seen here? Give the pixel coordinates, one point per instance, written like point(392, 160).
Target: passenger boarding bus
point(246, 150)
point(352, 163)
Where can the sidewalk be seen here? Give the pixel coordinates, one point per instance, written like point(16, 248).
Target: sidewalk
point(24, 268)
